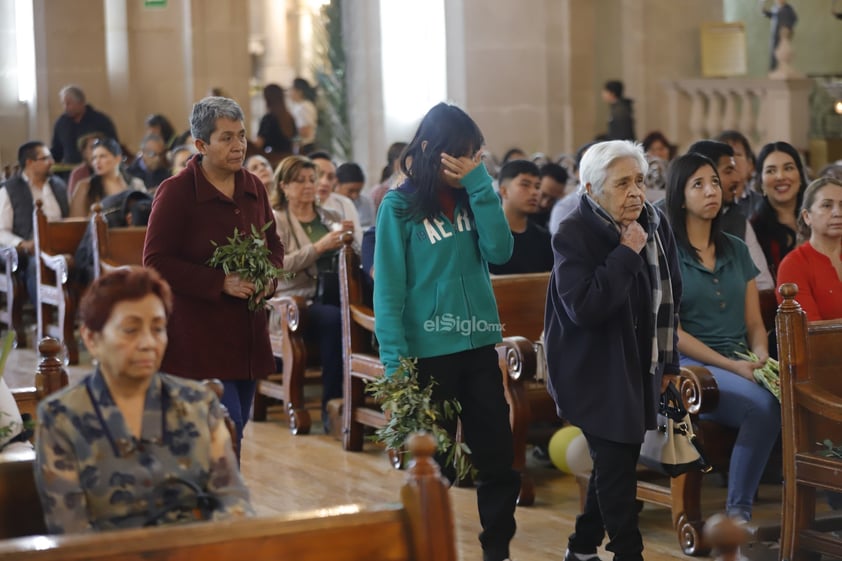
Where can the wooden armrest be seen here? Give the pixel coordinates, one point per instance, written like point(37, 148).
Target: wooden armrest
point(293, 310)
point(698, 389)
point(819, 401)
point(363, 316)
point(521, 359)
point(61, 264)
point(22, 394)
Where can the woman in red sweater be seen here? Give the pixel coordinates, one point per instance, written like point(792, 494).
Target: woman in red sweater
point(816, 265)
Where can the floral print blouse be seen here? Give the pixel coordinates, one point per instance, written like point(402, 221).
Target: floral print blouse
point(93, 474)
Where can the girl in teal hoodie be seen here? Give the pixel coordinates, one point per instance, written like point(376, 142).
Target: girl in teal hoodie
point(436, 234)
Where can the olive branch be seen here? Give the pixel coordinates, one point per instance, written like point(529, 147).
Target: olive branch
point(410, 408)
point(248, 257)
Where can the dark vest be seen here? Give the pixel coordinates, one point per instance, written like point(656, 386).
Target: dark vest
point(734, 222)
point(20, 198)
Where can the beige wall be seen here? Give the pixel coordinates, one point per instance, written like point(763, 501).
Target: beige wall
point(530, 71)
point(130, 61)
point(534, 81)
point(13, 115)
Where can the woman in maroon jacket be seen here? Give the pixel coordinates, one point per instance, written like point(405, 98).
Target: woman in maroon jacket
point(212, 333)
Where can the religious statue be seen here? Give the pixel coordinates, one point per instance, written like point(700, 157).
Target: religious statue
point(783, 18)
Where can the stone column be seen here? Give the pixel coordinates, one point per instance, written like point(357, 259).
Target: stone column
point(786, 107)
point(364, 79)
point(69, 49)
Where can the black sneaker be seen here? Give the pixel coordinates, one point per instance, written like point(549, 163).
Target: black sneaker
point(572, 556)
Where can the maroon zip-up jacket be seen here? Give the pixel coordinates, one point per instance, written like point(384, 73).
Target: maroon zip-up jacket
point(211, 334)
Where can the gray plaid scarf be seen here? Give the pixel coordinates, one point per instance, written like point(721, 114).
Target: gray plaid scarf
point(663, 305)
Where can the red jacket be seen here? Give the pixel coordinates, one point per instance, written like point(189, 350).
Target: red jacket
point(210, 333)
point(819, 287)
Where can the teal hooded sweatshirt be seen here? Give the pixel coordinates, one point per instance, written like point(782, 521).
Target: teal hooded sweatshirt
point(432, 293)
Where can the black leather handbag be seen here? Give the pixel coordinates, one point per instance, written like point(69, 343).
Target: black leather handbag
point(672, 447)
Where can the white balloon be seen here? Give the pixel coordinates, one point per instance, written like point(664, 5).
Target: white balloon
point(578, 456)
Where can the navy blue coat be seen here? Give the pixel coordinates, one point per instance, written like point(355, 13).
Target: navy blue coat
point(597, 358)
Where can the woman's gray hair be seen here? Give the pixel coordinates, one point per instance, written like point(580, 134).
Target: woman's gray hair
point(206, 111)
point(594, 166)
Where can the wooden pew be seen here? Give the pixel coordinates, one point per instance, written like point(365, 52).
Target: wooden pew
point(55, 245)
point(300, 367)
point(13, 293)
point(520, 301)
point(115, 247)
point(419, 528)
point(20, 508)
point(50, 376)
point(811, 391)
point(300, 363)
point(682, 494)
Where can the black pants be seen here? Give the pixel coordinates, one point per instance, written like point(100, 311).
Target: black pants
point(325, 327)
point(611, 504)
point(473, 377)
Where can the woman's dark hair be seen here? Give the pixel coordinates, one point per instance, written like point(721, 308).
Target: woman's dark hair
point(444, 129)
point(303, 86)
point(658, 136)
point(678, 174)
point(163, 124)
point(804, 230)
point(97, 189)
point(392, 154)
point(273, 95)
point(766, 211)
point(507, 157)
point(125, 283)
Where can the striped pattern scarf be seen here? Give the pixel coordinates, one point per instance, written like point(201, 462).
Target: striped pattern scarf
point(663, 303)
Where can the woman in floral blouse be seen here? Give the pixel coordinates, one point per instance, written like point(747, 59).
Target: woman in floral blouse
point(129, 446)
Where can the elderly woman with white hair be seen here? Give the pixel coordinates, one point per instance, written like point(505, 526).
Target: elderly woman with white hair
point(610, 335)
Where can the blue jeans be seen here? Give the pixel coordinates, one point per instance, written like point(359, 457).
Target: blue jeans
point(237, 398)
point(756, 414)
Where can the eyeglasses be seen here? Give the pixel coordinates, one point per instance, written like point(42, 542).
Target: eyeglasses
point(42, 158)
point(151, 154)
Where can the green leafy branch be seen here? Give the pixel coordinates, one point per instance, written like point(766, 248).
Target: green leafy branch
point(768, 375)
point(28, 427)
point(248, 257)
point(830, 450)
point(410, 408)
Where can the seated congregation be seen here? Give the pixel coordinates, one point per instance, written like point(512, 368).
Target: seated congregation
point(368, 282)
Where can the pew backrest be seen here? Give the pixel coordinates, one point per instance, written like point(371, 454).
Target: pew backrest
point(521, 300)
point(116, 247)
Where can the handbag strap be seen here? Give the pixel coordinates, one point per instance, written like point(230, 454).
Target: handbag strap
point(671, 404)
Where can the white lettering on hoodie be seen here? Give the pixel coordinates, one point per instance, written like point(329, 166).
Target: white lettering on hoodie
point(436, 230)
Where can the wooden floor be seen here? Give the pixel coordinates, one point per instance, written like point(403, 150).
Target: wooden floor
point(287, 473)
